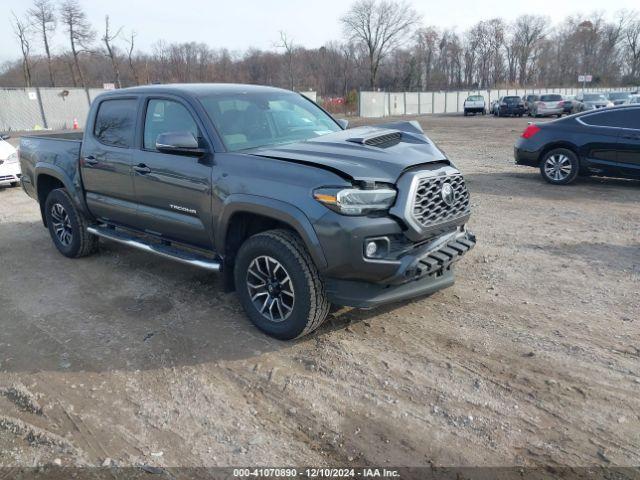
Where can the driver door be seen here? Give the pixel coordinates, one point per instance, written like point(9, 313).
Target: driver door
point(173, 191)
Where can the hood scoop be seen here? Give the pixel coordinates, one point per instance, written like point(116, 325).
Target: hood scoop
point(381, 139)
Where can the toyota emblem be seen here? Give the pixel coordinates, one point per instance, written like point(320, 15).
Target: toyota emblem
point(448, 194)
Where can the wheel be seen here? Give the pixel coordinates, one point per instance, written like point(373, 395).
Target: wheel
point(484, 112)
point(559, 166)
point(520, 115)
point(279, 286)
point(67, 226)
point(466, 113)
point(13, 184)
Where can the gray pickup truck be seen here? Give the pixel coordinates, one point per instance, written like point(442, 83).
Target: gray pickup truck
point(296, 211)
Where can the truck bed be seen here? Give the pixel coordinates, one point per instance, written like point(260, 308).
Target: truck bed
point(59, 152)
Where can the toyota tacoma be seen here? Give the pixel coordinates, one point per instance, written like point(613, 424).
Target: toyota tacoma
point(261, 184)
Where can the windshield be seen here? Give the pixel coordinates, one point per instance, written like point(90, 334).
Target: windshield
point(475, 98)
point(249, 120)
point(594, 97)
point(618, 95)
point(550, 98)
point(512, 99)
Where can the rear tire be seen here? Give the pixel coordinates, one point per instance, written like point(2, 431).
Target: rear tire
point(68, 226)
point(275, 266)
point(13, 184)
point(560, 166)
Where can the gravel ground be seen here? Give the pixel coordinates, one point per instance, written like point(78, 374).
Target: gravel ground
point(531, 358)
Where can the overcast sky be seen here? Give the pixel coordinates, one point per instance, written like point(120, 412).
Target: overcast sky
point(240, 24)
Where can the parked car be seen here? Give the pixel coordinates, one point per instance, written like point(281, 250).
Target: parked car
point(9, 164)
point(263, 185)
point(619, 98)
point(592, 101)
point(474, 104)
point(569, 104)
point(634, 99)
point(528, 101)
point(509, 105)
point(547, 105)
point(598, 142)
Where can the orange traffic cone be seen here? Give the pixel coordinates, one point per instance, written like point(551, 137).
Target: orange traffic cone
point(75, 124)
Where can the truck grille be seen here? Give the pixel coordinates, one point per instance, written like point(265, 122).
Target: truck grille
point(430, 208)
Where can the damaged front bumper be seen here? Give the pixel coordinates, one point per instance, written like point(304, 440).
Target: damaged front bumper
point(423, 271)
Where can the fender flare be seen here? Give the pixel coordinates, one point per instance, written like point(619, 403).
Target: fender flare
point(74, 191)
point(276, 209)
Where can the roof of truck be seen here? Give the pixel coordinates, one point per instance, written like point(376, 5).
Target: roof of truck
point(198, 89)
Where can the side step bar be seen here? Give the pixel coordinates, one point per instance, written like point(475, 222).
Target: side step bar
point(183, 256)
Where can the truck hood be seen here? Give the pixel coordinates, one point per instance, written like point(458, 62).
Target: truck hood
point(378, 153)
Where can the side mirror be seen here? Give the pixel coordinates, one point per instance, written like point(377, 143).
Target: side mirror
point(343, 123)
point(179, 143)
point(5, 136)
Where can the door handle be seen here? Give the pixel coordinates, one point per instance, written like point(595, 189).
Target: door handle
point(90, 160)
point(142, 169)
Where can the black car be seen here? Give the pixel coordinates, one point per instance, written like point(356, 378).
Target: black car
point(601, 142)
point(509, 106)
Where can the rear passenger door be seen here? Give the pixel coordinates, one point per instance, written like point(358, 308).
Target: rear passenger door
point(599, 142)
point(106, 159)
point(173, 191)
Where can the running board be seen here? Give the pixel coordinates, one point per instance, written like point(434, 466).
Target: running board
point(182, 256)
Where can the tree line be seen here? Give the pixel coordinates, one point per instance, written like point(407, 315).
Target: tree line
point(386, 44)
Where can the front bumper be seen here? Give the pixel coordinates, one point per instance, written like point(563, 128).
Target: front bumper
point(422, 272)
point(9, 173)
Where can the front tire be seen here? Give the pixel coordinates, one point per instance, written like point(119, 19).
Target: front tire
point(560, 166)
point(13, 184)
point(68, 226)
point(279, 286)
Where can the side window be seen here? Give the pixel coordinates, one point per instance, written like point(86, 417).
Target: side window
point(624, 118)
point(166, 116)
point(115, 122)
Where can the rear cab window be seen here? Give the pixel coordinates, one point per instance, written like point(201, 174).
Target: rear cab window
point(115, 122)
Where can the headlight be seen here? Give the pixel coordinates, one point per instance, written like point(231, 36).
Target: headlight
point(13, 158)
point(354, 201)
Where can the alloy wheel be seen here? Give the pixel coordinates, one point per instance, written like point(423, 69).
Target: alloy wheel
point(270, 288)
point(557, 167)
point(61, 224)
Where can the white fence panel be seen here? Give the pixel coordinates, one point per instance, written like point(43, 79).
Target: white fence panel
point(19, 110)
point(396, 103)
point(373, 104)
point(412, 100)
point(438, 102)
point(63, 106)
point(426, 102)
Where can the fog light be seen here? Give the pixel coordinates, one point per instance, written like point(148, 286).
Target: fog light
point(372, 249)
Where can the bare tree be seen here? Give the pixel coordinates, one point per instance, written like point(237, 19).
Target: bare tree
point(131, 42)
point(79, 30)
point(528, 31)
point(289, 48)
point(44, 20)
point(22, 31)
point(381, 26)
point(631, 42)
point(107, 38)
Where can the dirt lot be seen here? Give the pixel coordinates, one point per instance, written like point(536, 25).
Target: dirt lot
point(532, 358)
